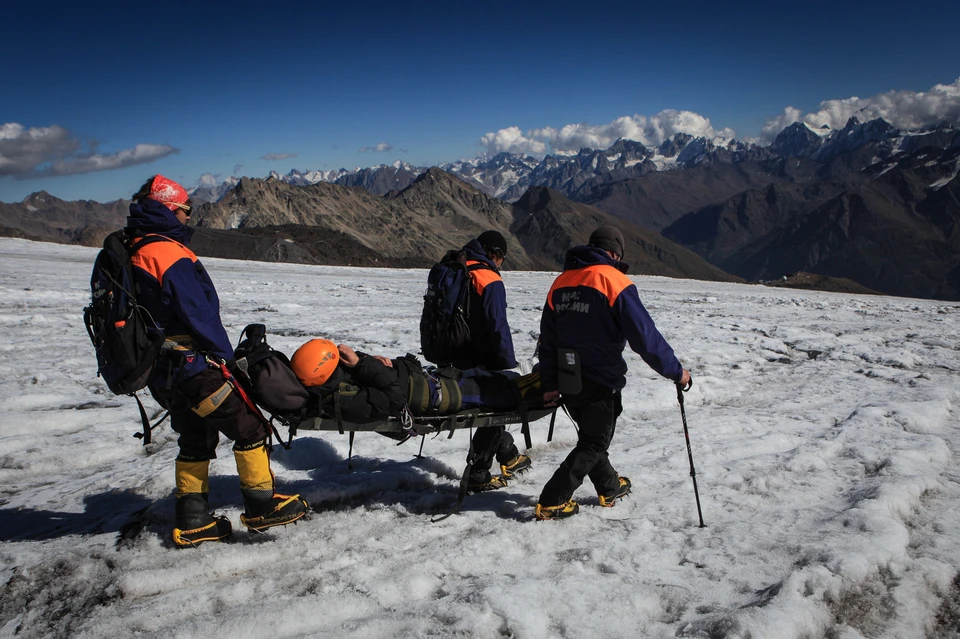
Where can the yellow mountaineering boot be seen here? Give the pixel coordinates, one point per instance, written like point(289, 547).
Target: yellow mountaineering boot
point(622, 490)
point(562, 511)
point(515, 466)
point(485, 484)
point(264, 507)
point(193, 522)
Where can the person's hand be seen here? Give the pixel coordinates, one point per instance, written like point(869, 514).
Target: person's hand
point(685, 380)
point(550, 398)
point(348, 357)
point(386, 361)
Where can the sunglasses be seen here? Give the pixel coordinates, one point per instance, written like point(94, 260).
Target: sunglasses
point(186, 208)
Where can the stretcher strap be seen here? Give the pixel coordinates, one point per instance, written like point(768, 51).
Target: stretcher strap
point(227, 375)
point(336, 410)
point(451, 398)
point(525, 428)
point(350, 454)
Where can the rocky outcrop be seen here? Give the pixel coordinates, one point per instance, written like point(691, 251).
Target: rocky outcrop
point(49, 219)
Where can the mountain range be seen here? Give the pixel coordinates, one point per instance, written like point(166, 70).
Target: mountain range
point(438, 211)
point(868, 202)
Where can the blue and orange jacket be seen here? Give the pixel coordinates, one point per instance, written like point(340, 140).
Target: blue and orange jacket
point(595, 309)
point(491, 345)
point(175, 288)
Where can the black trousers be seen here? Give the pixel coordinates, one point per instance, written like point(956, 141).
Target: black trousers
point(489, 443)
point(199, 436)
point(595, 410)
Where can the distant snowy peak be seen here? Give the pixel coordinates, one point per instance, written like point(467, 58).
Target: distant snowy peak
point(495, 176)
point(508, 175)
point(306, 178)
point(213, 193)
point(878, 136)
point(797, 140)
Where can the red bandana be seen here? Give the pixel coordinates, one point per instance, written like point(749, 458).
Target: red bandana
point(168, 193)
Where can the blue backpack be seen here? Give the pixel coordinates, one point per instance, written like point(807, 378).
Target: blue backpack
point(124, 335)
point(445, 321)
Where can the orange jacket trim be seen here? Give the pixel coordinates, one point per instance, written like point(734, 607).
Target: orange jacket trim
point(157, 257)
point(482, 277)
point(601, 277)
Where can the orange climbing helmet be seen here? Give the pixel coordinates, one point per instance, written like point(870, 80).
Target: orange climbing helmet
point(315, 361)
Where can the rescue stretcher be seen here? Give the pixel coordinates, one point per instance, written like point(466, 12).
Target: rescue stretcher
point(408, 426)
point(429, 424)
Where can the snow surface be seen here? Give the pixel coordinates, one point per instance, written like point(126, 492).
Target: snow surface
point(823, 430)
point(664, 163)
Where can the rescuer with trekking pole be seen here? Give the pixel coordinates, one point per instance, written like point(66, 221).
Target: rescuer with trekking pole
point(592, 311)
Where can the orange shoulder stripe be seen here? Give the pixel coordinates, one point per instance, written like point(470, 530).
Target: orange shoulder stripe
point(600, 277)
point(482, 277)
point(157, 257)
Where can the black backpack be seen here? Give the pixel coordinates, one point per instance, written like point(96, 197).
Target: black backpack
point(124, 335)
point(445, 322)
point(266, 374)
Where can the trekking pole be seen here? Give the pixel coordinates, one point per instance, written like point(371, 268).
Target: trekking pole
point(686, 433)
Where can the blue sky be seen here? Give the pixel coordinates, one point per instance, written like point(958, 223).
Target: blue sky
point(96, 99)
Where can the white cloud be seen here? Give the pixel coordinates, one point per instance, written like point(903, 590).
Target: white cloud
point(140, 154)
point(273, 157)
point(650, 131)
point(383, 147)
point(512, 140)
point(209, 179)
point(23, 149)
point(49, 151)
point(903, 109)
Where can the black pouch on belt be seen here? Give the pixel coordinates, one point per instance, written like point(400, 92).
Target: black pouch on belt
point(568, 372)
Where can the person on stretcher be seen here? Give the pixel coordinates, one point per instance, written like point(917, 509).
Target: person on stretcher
point(371, 388)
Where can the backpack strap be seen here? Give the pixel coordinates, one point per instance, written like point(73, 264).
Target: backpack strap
point(135, 243)
point(147, 428)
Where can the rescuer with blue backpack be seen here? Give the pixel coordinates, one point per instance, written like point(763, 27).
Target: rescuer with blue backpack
point(464, 325)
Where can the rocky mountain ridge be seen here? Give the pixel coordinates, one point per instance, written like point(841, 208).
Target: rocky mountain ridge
point(891, 226)
point(437, 212)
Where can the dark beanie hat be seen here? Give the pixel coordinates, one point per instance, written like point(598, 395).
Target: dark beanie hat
point(493, 241)
point(608, 238)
